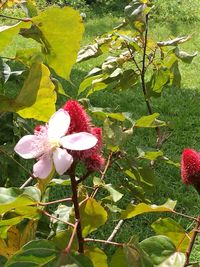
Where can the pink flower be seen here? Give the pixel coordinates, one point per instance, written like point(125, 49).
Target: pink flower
point(49, 144)
point(190, 166)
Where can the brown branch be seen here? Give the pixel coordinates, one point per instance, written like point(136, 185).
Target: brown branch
point(67, 249)
point(56, 218)
point(93, 194)
point(192, 241)
point(184, 215)
point(18, 19)
point(54, 202)
point(82, 178)
point(104, 242)
point(76, 208)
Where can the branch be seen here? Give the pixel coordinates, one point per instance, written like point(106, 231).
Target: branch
point(192, 241)
point(55, 218)
point(82, 178)
point(30, 179)
point(76, 208)
point(18, 19)
point(116, 229)
point(67, 249)
point(104, 242)
point(93, 194)
point(54, 202)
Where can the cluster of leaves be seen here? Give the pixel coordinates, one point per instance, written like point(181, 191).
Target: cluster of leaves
point(30, 81)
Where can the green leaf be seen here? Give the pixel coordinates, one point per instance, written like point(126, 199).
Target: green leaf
point(130, 256)
point(115, 195)
point(88, 82)
point(97, 256)
point(13, 198)
point(150, 121)
point(44, 253)
point(7, 33)
point(159, 79)
point(135, 13)
point(175, 42)
point(150, 154)
point(185, 57)
point(93, 215)
point(134, 210)
point(162, 251)
point(60, 38)
point(36, 98)
point(168, 227)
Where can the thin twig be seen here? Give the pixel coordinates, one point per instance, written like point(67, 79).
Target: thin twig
point(55, 218)
point(93, 194)
point(184, 215)
point(54, 202)
point(82, 178)
point(30, 179)
point(18, 19)
point(76, 208)
point(192, 241)
point(116, 229)
point(67, 249)
point(104, 242)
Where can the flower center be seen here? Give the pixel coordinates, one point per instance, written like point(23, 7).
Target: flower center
point(54, 143)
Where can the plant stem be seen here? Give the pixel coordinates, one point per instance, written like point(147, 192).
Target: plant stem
point(184, 215)
point(26, 183)
point(93, 194)
point(76, 208)
point(56, 218)
point(18, 19)
point(54, 202)
point(115, 231)
point(144, 68)
point(104, 242)
point(192, 241)
point(67, 249)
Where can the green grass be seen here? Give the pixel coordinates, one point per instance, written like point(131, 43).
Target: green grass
point(180, 107)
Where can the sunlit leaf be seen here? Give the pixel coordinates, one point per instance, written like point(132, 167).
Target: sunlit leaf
point(97, 256)
point(93, 215)
point(175, 42)
point(12, 198)
point(7, 33)
point(60, 38)
point(185, 57)
point(174, 231)
point(134, 210)
point(162, 251)
point(149, 121)
point(150, 154)
point(36, 98)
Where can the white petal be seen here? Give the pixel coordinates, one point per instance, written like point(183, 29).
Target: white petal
point(62, 160)
point(58, 124)
point(78, 141)
point(26, 147)
point(43, 167)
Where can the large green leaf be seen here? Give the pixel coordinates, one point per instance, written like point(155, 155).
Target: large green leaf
point(162, 252)
point(150, 121)
point(97, 256)
point(174, 231)
point(36, 98)
point(44, 253)
point(93, 215)
point(134, 210)
point(130, 256)
point(59, 31)
point(7, 33)
point(14, 198)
